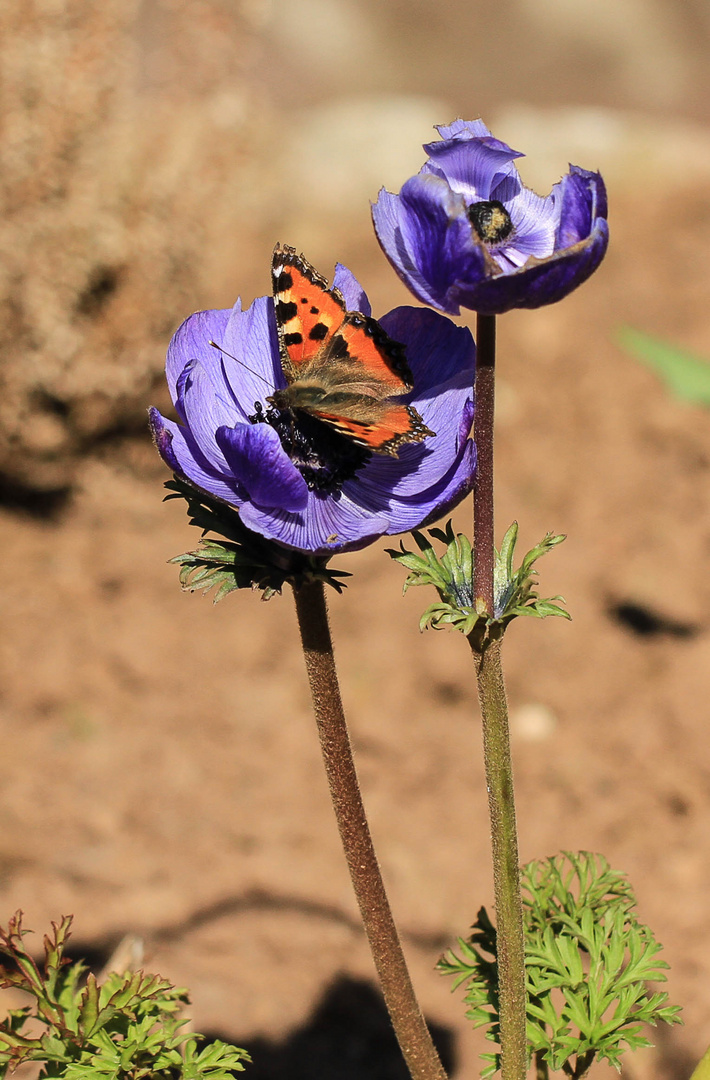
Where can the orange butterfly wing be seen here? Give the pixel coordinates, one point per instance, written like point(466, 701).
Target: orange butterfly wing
point(398, 424)
point(310, 314)
point(321, 342)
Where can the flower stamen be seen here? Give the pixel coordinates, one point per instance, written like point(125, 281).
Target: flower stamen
point(490, 220)
point(324, 457)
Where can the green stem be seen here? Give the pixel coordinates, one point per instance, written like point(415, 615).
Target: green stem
point(407, 1019)
point(496, 736)
point(506, 873)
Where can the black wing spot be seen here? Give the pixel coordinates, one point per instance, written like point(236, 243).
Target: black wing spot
point(314, 310)
point(318, 332)
point(285, 311)
point(339, 348)
point(293, 339)
point(304, 299)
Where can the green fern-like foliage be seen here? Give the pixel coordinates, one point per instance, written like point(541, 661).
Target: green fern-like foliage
point(127, 1028)
point(589, 962)
point(239, 558)
point(451, 574)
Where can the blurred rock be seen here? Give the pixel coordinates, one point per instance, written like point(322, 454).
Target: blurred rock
point(337, 156)
point(641, 43)
point(121, 122)
point(628, 147)
point(532, 722)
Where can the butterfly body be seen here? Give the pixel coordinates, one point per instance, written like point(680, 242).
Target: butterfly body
point(340, 366)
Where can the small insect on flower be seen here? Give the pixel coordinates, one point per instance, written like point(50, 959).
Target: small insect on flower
point(340, 365)
point(324, 428)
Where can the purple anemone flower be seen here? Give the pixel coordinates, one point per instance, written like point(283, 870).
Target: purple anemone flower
point(465, 232)
point(293, 478)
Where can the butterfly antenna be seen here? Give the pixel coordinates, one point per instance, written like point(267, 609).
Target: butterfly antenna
point(251, 370)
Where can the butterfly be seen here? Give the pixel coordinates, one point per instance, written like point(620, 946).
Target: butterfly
point(340, 366)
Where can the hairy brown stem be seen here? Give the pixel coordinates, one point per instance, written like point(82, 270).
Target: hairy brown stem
point(407, 1019)
point(483, 536)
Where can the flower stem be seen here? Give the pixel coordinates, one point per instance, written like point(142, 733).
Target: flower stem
point(483, 536)
point(506, 873)
point(496, 736)
point(407, 1019)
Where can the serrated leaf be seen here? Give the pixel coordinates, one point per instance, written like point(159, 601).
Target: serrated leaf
point(543, 608)
point(451, 575)
point(578, 913)
point(240, 558)
point(128, 1026)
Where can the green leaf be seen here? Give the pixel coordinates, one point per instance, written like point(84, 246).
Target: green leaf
point(129, 1026)
point(452, 577)
point(687, 376)
point(588, 964)
point(240, 559)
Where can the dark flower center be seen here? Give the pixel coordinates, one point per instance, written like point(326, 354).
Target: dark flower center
point(491, 221)
point(324, 457)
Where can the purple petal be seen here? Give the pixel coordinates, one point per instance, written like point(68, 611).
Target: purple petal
point(387, 214)
point(189, 342)
point(435, 229)
point(470, 130)
point(582, 196)
point(326, 525)
point(535, 220)
point(256, 457)
point(472, 166)
point(539, 283)
point(437, 349)
point(250, 336)
point(162, 438)
point(463, 129)
point(207, 404)
point(353, 293)
point(433, 504)
point(597, 188)
point(466, 423)
point(182, 455)
point(385, 478)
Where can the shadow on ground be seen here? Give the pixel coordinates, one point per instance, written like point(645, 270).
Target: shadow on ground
point(348, 1036)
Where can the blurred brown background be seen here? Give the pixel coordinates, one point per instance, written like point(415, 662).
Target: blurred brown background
point(162, 774)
